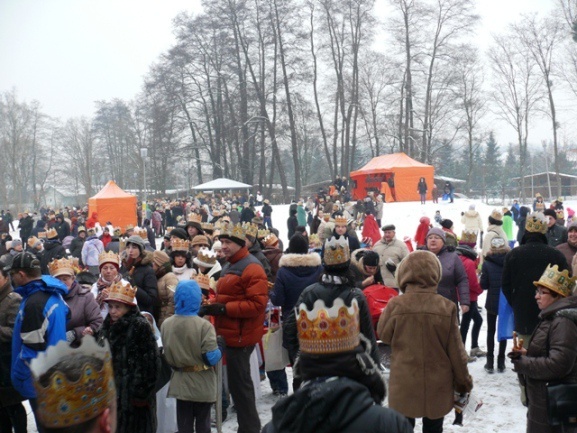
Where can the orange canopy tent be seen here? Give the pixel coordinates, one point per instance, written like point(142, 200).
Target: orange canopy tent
point(404, 171)
point(113, 204)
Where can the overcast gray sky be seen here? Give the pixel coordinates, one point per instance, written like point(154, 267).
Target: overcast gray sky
point(69, 53)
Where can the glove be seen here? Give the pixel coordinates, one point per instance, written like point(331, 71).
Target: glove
point(390, 265)
point(212, 310)
point(70, 336)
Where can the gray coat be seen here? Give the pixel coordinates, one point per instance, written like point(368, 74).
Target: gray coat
point(84, 310)
point(454, 284)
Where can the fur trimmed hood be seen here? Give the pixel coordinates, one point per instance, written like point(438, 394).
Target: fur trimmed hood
point(358, 263)
point(294, 260)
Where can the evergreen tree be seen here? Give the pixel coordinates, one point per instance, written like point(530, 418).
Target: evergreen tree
point(493, 166)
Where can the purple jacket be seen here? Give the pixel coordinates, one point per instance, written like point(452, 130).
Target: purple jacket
point(454, 284)
point(84, 310)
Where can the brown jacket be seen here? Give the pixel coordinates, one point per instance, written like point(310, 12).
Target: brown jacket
point(166, 287)
point(429, 360)
point(551, 357)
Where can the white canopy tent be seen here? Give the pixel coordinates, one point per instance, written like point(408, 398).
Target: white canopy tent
point(221, 183)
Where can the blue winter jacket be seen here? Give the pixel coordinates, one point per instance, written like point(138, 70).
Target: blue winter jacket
point(41, 322)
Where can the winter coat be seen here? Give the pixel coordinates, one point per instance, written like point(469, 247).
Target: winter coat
point(135, 365)
point(454, 284)
point(53, 250)
point(523, 265)
point(266, 210)
point(295, 273)
point(493, 231)
point(508, 226)
point(491, 278)
point(256, 251)
point(42, 319)
point(334, 405)
point(379, 210)
point(422, 187)
point(91, 249)
point(142, 276)
point(39, 227)
point(301, 216)
point(568, 251)
point(471, 271)
point(76, 247)
point(472, 221)
point(63, 229)
point(357, 267)
point(84, 310)
point(243, 288)
point(556, 235)
point(429, 360)
point(91, 222)
point(113, 245)
point(329, 291)
point(105, 239)
point(371, 229)
point(422, 230)
point(190, 341)
point(551, 358)
point(273, 256)
point(396, 250)
point(292, 224)
point(246, 215)
point(9, 305)
point(166, 286)
point(25, 226)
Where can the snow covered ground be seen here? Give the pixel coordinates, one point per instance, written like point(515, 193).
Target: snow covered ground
point(502, 411)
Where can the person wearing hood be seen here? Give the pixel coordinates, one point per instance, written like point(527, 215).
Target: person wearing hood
point(137, 269)
point(39, 227)
point(453, 284)
point(421, 328)
point(371, 228)
point(42, 315)
point(551, 353)
point(508, 226)
point(491, 279)
point(91, 249)
point(422, 230)
point(85, 318)
point(91, 222)
point(53, 250)
point(62, 227)
point(494, 230)
point(166, 282)
point(191, 349)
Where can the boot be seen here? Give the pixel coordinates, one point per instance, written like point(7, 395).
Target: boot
point(489, 365)
point(501, 364)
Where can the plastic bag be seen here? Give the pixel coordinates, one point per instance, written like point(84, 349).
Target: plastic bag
point(506, 321)
point(275, 356)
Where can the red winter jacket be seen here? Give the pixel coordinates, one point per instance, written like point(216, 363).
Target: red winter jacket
point(422, 230)
point(471, 269)
point(245, 294)
point(371, 229)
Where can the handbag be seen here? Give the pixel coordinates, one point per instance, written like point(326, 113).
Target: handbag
point(562, 403)
point(275, 356)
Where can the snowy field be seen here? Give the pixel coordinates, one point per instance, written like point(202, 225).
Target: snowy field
point(502, 411)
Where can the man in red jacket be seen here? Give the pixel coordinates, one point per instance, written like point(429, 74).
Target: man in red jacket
point(242, 295)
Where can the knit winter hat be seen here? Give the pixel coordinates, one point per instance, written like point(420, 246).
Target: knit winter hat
point(136, 240)
point(447, 223)
point(550, 212)
point(179, 233)
point(371, 258)
point(200, 240)
point(298, 244)
point(472, 206)
point(217, 246)
point(437, 231)
point(160, 258)
point(496, 217)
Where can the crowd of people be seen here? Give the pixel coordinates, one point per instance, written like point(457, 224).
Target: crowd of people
point(79, 295)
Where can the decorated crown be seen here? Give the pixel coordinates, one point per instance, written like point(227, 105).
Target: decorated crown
point(141, 232)
point(340, 221)
point(180, 244)
point(232, 231)
point(203, 281)
point(262, 233)
point(117, 231)
point(128, 228)
point(59, 267)
point(314, 240)
point(271, 240)
point(108, 257)
point(469, 236)
point(124, 293)
point(194, 218)
point(560, 214)
point(169, 229)
point(207, 227)
point(64, 401)
point(205, 257)
point(336, 251)
point(325, 330)
point(51, 233)
point(536, 223)
point(250, 229)
point(559, 282)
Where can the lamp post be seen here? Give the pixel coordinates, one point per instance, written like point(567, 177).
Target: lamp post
point(143, 155)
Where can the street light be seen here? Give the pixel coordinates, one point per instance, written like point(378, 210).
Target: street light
point(143, 155)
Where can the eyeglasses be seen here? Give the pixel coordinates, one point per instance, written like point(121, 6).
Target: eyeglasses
point(542, 292)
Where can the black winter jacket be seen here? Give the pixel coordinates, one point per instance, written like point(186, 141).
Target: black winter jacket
point(491, 279)
point(556, 235)
point(334, 405)
point(52, 250)
point(76, 247)
point(523, 265)
point(142, 276)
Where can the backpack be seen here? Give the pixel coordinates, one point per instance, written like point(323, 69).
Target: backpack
point(378, 296)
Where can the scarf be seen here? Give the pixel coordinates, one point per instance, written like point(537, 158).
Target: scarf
point(103, 285)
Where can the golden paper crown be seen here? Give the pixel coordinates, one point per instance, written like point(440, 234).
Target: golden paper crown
point(207, 227)
point(314, 240)
point(262, 233)
point(250, 229)
point(469, 236)
point(117, 231)
point(559, 282)
point(203, 281)
point(122, 293)
point(194, 217)
point(142, 232)
point(560, 214)
point(536, 223)
point(180, 244)
point(232, 231)
point(128, 228)
point(336, 251)
point(271, 240)
point(109, 257)
point(205, 257)
point(59, 267)
point(51, 233)
point(340, 221)
point(64, 401)
point(325, 330)
point(169, 229)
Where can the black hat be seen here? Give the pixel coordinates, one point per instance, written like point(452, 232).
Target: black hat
point(179, 233)
point(371, 258)
point(24, 261)
point(389, 227)
point(447, 223)
point(298, 244)
point(550, 212)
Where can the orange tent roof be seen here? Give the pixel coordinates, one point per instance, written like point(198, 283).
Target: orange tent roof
point(388, 162)
point(111, 190)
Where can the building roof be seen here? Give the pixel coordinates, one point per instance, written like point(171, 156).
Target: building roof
point(221, 183)
point(551, 173)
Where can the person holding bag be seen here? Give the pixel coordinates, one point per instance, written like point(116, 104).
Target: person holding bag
point(550, 359)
